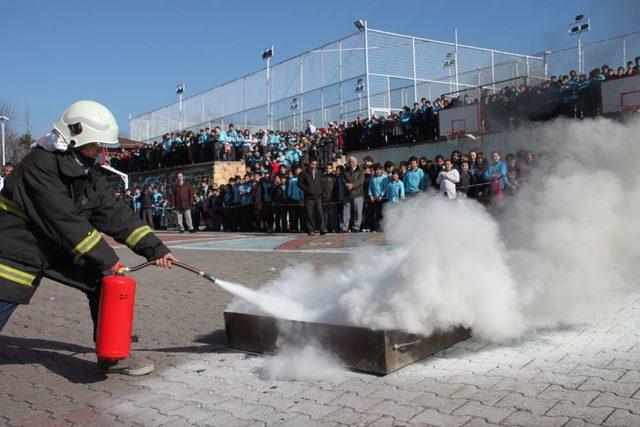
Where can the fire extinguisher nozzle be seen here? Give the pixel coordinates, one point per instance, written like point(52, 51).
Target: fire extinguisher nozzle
point(209, 277)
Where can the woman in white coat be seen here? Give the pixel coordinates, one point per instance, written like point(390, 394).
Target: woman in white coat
point(448, 179)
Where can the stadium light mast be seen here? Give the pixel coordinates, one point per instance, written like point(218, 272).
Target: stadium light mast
point(581, 24)
point(450, 61)
point(179, 91)
point(455, 36)
point(359, 88)
point(2, 120)
point(266, 55)
point(361, 25)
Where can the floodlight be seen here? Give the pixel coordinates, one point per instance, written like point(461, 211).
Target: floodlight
point(360, 24)
point(268, 52)
point(180, 89)
point(579, 17)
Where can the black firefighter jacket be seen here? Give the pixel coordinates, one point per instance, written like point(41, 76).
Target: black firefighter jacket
point(52, 210)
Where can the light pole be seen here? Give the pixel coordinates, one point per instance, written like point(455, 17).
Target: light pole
point(2, 120)
point(359, 88)
point(449, 62)
point(361, 25)
point(267, 54)
point(294, 109)
point(179, 91)
point(581, 24)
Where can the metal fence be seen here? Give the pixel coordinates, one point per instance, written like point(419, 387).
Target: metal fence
point(614, 52)
point(367, 72)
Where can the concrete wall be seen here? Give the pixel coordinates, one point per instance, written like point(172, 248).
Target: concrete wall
point(503, 142)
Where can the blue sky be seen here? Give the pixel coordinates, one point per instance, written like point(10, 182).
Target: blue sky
point(130, 55)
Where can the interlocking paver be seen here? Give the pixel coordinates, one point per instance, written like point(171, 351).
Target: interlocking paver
point(524, 418)
point(586, 413)
point(612, 401)
point(352, 418)
point(536, 406)
point(486, 397)
point(354, 401)
point(526, 388)
point(607, 374)
point(397, 411)
point(193, 413)
point(312, 409)
point(433, 417)
point(630, 377)
point(561, 394)
point(618, 388)
point(490, 413)
point(445, 405)
point(620, 417)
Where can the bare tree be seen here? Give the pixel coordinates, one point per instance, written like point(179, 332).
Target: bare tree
point(17, 144)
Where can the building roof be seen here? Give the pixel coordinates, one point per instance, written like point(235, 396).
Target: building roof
point(128, 143)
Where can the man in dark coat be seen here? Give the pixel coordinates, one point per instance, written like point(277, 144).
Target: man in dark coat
point(52, 211)
point(310, 182)
point(330, 199)
point(182, 200)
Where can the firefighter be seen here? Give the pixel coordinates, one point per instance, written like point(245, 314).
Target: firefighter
point(53, 209)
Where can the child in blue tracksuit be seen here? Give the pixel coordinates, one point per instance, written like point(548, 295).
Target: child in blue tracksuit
point(414, 180)
point(377, 189)
point(497, 171)
point(295, 199)
point(395, 188)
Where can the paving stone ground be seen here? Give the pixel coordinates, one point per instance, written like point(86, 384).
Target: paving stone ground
point(585, 375)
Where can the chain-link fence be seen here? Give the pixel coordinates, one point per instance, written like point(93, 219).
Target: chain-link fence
point(367, 72)
point(614, 52)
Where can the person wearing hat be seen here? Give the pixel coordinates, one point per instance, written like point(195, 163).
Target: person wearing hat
point(53, 209)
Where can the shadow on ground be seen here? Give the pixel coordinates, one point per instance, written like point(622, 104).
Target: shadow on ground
point(58, 357)
point(215, 342)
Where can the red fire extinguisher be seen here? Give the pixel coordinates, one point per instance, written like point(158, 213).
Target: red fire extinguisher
point(115, 316)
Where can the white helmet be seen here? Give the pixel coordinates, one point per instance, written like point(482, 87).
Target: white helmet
point(88, 122)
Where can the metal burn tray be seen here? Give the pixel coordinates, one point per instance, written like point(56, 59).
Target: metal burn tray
point(375, 351)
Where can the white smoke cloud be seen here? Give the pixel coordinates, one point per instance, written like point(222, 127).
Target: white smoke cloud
point(549, 256)
point(306, 362)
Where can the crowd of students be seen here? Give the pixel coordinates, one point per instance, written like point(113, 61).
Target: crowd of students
point(340, 199)
point(273, 148)
point(574, 96)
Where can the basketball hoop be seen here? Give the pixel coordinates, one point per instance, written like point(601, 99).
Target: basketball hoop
point(453, 135)
point(630, 102)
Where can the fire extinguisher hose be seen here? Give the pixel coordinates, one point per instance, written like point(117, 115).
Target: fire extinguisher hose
point(178, 264)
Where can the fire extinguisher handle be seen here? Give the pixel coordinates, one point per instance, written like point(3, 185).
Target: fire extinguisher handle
point(140, 266)
point(178, 264)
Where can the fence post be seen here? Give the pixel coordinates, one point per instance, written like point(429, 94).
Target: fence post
point(366, 62)
point(545, 63)
point(493, 68)
point(389, 94)
point(244, 100)
point(341, 82)
point(301, 89)
point(415, 82)
point(456, 57)
point(322, 84)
